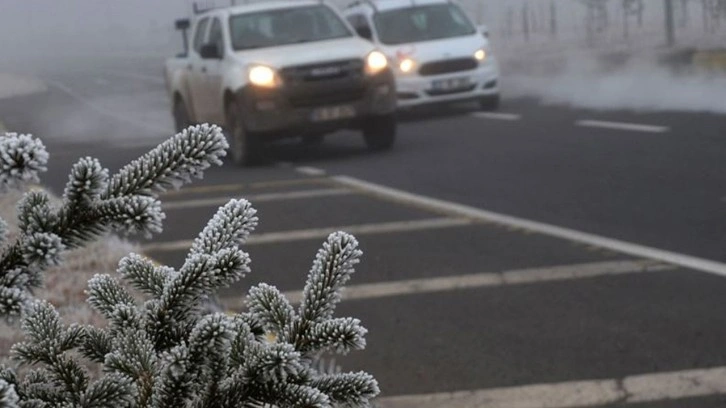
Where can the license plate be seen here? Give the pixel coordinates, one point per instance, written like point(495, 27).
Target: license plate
point(450, 84)
point(333, 113)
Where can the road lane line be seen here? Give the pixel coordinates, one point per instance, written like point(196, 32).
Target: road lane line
point(310, 171)
point(635, 127)
point(108, 113)
point(322, 233)
point(237, 188)
point(256, 198)
point(664, 386)
point(497, 116)
point(460, 210)
point(488, 279)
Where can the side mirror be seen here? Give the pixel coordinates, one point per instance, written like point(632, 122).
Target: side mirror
point(182, 24)
point(364, 32)
point(484, 30)
point(210, 51)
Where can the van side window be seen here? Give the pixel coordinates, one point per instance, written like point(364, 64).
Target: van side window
point(199, 34)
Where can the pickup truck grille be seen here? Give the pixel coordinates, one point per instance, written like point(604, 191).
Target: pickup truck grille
point(447, 66)
point(352, 68)
point(322, 97)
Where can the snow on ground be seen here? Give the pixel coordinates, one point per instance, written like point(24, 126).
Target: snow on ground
point(12, 85)
point(65, 284)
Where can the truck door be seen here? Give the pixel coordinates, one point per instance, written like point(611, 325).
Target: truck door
point(195, 72)
point(212, 71)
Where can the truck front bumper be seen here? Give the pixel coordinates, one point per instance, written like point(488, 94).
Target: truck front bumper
point(319, 107)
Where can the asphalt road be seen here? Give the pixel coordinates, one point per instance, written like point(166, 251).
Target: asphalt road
point(458, 299)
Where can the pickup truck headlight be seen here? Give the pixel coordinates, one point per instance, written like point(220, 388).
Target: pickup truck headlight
point(376, 62)
point(264, 76)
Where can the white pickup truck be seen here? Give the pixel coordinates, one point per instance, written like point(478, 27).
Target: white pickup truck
point(293, 68)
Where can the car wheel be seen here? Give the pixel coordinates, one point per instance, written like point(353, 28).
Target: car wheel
point(244, 146)
point(490, 103)
point(313, 140)
point(379, 132)
point(181, 115)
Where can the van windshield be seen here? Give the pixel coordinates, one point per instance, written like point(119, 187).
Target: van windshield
point(271, 28)
point(422, 23)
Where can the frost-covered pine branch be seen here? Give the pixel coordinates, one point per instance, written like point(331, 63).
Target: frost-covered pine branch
point(164, 349)
point(92, 203)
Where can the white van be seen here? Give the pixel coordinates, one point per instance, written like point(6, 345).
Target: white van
point(439, 54)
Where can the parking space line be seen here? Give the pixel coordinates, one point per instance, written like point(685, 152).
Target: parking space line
point(236, 188)
point(256, 198)
point(310, 171)
point(322, 233)
point(476, 214)
point(635, 127)
point(628, 390)
point(492, 279)
point(497, 116)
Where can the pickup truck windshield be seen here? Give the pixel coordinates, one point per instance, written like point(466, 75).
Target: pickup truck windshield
point(285, 26)
point(422, 23)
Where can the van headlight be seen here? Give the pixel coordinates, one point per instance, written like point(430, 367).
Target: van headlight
point(406, 65)
point(263, 76)
point(376, 62)
point(480, 55)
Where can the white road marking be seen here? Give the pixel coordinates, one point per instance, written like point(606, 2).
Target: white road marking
point(459, 210)
point(497, 116)
point(622, 126)
point(109, 113)
point(256, 198)
point(322, 233)
point(628, 390)
point(491, 279)
point(238, 188)
point(310, 171)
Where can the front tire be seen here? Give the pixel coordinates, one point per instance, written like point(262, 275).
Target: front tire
point(181, 115)
point(379, 132)
point(245, 147)
point(313, 140)
point(490, 103)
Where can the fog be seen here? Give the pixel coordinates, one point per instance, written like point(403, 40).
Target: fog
point(642, 83)
point(37, 33)
point(545, 47)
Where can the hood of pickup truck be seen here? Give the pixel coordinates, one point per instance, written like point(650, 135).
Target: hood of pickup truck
point(307, 53)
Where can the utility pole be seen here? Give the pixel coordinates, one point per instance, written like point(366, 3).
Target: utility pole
point(670, 23)
point(553, 19)
point(525, 21)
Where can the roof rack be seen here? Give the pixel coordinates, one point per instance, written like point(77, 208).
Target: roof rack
point(359, 2)
point(198, 10)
